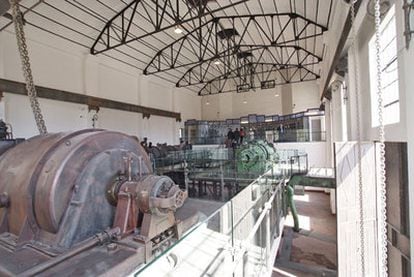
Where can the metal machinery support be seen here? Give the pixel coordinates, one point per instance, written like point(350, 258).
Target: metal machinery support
point(7, 140)
point(83, 203)
point(4, 132)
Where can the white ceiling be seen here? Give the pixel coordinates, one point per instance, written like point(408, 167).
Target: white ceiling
point(81, 21)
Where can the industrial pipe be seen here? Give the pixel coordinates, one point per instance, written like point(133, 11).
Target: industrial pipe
point(290, 191)
point(100, 238)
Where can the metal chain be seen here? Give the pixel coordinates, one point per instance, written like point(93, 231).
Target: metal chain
point(27, 72)
point(382, 176)
point(359, 146)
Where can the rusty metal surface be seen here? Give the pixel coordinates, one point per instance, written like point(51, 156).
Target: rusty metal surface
point(61, 193)
point(17, 167)
point(45, 170)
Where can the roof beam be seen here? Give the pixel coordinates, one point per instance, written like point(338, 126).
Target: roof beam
point(117, 31)
point(211, 47)
point(255, 75)
point(283, 55)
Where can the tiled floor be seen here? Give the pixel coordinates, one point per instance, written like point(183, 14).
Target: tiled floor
point(312, 251)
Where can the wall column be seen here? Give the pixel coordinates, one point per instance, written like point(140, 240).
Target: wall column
point(287, 99)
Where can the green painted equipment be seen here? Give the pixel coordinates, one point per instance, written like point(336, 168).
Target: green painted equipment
point(290, 192)
point(255, 157)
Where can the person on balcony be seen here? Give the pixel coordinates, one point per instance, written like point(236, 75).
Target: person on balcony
point(237, 136)
point(230, 138)
point(242, 135)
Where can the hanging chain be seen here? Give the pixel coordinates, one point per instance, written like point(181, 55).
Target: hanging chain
point(382, 176)
point(95, 119)
point(359, 146)
point(27, 72)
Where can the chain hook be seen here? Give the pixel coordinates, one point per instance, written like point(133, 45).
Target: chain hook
point(27, 71)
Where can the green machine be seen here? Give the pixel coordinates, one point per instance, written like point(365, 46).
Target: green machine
point(255, 157)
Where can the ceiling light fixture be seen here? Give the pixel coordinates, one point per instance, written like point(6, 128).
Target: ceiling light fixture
point(217, 62)
point(178, 31)
point(276, 94)
point(207, 103)
point(244, 101)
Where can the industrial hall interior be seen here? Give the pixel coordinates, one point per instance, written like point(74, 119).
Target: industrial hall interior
point(206, 138)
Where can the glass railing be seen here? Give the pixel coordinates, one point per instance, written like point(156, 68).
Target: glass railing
point(224, 163)
point(299, 136)
point(289, 135)
point(236, 239)
point(222, 172)
point(241, 237)
point(207, 140)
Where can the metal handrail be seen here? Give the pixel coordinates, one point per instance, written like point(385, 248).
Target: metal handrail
point(264, 214)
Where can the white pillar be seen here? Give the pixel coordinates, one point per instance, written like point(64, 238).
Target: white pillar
point(328, 133)
point(352, 98)
point(2, 111)
point(2, 50)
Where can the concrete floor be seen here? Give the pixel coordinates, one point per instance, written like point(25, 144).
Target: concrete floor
point(312, 251)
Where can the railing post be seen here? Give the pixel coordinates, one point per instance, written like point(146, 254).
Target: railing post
point(268, 242)
point(222, 183)
point(246, 264)
point(186, 175)
point(307, 163)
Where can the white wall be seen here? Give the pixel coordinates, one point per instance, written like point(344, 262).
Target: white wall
point(316, 151)
point(348, 217)
point(58, 116)
point(61, 65)
point(268, 102)
point(402, 131)
point(305, 95)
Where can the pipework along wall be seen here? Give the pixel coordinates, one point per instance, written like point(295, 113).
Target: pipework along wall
point(61, 65)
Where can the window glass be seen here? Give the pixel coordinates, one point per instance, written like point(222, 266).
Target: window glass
point(389, 72)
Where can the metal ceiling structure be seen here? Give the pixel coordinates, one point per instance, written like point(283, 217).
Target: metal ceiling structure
point(242, 43)
point(257, 75)
point(279, 56)
point(117, 30)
